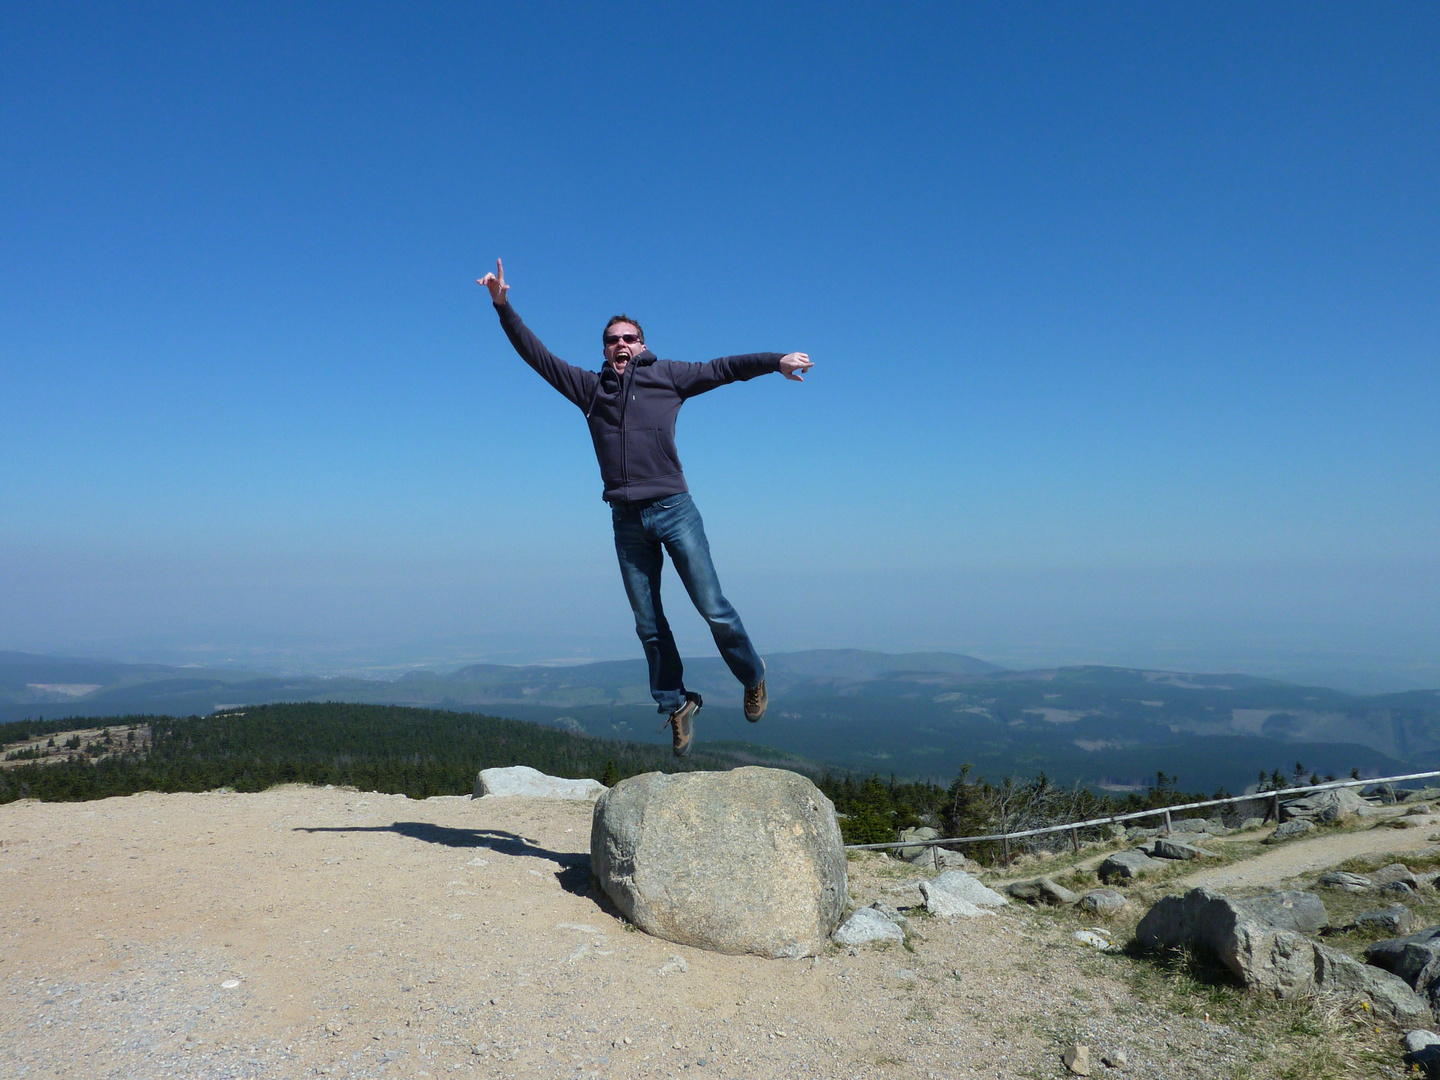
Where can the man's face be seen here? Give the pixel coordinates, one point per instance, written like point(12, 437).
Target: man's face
point(622, 344)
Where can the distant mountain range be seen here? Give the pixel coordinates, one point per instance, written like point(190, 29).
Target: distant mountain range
point(911, 714)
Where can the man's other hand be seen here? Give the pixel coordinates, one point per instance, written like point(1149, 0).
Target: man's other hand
point(791, 364)
point(495, 283)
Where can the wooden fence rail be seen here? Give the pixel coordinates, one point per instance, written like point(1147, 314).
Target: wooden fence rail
point(1164, 812)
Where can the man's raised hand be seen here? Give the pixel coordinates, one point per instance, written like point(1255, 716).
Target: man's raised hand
point(791, 364)
point(495, 283)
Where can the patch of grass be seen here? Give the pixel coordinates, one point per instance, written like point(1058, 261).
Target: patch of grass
point(1303, 1038)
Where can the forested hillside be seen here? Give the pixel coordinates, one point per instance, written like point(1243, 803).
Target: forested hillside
point(416, 752)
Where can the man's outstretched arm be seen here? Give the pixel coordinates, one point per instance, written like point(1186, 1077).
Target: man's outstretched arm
point(575, 383)
point(693, 379)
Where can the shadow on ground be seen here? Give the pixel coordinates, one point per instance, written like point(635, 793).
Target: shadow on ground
point(573, 875)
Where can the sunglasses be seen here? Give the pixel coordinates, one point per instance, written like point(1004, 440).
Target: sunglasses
point(615, 339)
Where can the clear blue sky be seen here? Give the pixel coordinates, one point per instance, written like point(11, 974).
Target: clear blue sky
point(1126, 320)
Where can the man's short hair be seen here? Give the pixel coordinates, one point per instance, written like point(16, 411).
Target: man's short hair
point(622, 318)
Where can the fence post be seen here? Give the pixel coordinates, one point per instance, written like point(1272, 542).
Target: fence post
point(1075, 840)
point(1275, 806)
point(1167, 822)
point(1005, 847)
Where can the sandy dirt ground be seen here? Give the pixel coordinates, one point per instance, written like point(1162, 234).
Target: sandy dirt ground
point(304, 931)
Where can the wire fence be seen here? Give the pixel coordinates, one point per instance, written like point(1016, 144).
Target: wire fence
point(1274, 798)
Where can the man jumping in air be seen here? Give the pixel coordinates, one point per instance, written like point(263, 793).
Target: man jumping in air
point(631, 405)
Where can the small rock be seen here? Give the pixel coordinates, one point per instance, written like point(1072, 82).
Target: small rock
point(1126, 865)
point(1396, 919)
point(911, 854)
point(955, 860)
point(1419, 1039)
point(1096, 939)
point(1252, 823)
point(1339, 879)
point(955, 891)
point(1103, 901)
point(1115, 1059)
point(1396, 871)
point(1403, 888)
point(1175, 849)
point(674, 966)
point(523, 780)
point(1077, 1059)
point(1417, 810)
point(866, 925)
point(890, 913)
point(1041, 890)
point(1290, 830)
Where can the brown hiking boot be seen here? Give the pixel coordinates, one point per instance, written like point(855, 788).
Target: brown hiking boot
point(755, 700)
point(682, 726)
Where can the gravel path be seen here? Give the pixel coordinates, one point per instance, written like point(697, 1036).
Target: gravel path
point(302, 932)
point(1296, 857)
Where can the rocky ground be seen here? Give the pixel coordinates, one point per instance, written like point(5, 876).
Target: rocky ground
point(302, 932)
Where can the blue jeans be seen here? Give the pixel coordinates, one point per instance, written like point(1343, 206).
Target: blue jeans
point(644, 531)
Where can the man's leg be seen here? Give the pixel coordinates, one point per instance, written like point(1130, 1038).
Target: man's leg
point(682, 531)
point(641, 559)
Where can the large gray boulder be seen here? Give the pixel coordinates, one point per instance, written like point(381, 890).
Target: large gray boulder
point(1338, 804)
point(1414, 958)
point(747, 861)
point(523, 780)
point(1125, 865)
point(1282, 962)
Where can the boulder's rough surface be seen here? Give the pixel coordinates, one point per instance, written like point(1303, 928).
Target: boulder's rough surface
point(1125, 865)
point(1339, 879)
point(866, 925)
point(1303, 912)
point(1324, 806)
point(1040, 890)
point(1103, 901)
point(957, 893)
point(1290, 830)
point(1268, 958)
point(523, 780)
point(746, 861)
